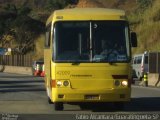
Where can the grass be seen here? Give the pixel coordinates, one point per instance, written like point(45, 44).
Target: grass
point(147, 27)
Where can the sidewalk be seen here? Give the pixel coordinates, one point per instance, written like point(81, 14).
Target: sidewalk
point(141, 83)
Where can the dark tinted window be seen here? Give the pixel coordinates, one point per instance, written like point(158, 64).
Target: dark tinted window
point(72, 41)
point(135, 60)
point(139, 59)
point(95, 41)
point(48, 36)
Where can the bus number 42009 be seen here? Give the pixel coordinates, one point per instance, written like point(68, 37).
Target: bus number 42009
point(63, 72)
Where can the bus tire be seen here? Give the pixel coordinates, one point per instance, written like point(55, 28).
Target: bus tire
point(58, 106)
point(119, 105)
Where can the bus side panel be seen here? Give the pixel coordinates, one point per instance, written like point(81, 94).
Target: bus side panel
point(47, 77)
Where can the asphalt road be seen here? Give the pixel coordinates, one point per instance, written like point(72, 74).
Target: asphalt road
point(23, 97)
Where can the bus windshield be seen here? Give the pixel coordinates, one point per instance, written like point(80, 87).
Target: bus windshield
point(91, 41)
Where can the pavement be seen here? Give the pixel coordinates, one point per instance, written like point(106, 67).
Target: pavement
point(24, 96)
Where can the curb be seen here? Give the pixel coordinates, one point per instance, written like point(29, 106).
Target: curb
point(17, 70)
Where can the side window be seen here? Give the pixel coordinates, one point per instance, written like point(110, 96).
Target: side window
point(48, 36)
point(139, 60)
point(135, 60)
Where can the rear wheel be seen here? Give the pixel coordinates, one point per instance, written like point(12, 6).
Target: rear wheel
point(58, 106)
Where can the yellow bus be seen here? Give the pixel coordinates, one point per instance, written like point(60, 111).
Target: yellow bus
point(87, 56)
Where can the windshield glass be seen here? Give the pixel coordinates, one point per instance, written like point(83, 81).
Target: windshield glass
point(96, 41)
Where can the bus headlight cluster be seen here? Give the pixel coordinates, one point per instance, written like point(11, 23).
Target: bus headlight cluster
point(120, 83)
point(117, 83)
point(64, 83)
point(124, 83)
point(59, 83)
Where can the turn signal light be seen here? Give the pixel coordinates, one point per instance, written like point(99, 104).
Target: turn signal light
point(53, 83)
point(59, 83)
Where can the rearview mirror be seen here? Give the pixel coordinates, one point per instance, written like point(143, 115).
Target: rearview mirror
point(134, 39)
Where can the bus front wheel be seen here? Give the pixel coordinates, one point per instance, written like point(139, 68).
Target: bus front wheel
point(58, 106)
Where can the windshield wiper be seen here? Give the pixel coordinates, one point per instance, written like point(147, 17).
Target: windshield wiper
point(77, 62)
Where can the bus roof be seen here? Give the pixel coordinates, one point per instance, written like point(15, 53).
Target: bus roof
point(86, 14)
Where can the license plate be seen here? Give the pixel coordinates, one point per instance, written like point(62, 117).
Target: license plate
point(92, 97)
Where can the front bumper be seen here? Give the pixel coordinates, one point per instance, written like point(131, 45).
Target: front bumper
point(75, 95)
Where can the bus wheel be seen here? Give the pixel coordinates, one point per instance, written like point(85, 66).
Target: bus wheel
point(58, 106)
point(119, 105)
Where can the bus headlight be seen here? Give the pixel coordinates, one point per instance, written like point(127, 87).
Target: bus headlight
point(65, 83)
point(59, 83)
point(124, 83)
point(117, 83)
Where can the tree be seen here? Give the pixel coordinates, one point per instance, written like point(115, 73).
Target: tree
point(6, 20)
point(26, 30)
point(10, 8)
point(17, 23)
point(24, 11)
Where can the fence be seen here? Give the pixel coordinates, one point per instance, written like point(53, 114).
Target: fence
point(16, 60)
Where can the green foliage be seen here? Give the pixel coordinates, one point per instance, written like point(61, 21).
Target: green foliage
point(24, 11)
point(58, 4)
point(148, 28)
point(26, 30)
point(5, 23)
point(144, 4)
point(2, 26)
point(16, 21)
point(11, 8)
point(22, 27)
point(27, 27)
